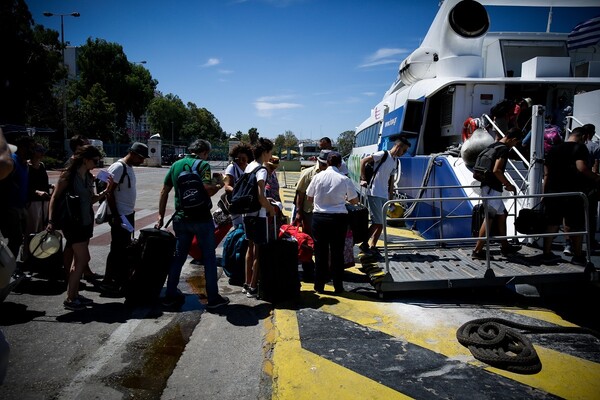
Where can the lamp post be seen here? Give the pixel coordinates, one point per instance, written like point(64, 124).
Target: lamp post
point(62, 42)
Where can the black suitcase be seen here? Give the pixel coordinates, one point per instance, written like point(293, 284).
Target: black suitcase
point(358, 221)
point(278, 271)
point(150, 257)
point(477, 219)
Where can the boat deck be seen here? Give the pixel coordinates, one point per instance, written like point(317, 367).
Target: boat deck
point(426, 268)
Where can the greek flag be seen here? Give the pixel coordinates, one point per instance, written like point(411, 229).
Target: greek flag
point(584, 34)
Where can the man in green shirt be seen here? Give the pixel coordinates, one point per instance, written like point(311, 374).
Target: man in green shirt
point(186, 226)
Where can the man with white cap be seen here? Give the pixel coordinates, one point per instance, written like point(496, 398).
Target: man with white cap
point(304, 206)
point(121, 202)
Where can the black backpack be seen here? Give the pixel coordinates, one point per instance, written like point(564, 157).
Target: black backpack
point(484, 164)
point(245, 194)
point(371, 170)
point(194, 201)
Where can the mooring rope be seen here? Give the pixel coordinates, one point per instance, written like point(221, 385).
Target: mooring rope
point(491, 341)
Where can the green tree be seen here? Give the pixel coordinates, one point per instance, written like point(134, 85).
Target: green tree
point(253, 135)
point(141, 88)
point(279, 144)
point(238, 135)
point(345, 142)
point(202, 124)
point(31, 68)
point(290, 139)
point(167, 115)
point(95, 116)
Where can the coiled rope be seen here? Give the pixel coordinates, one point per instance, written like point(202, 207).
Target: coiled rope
point(491, 341)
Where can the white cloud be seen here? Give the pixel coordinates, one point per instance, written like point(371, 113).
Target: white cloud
point(225, 71)
point(384, 56)
point(370, 94)
point(212, 62)
point(275, 98)
point(266, 108)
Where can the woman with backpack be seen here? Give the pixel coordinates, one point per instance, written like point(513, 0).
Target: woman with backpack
point(255, 223)
point(78, 224)
point(241, 155)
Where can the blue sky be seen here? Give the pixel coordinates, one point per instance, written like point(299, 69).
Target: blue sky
point(313, 67)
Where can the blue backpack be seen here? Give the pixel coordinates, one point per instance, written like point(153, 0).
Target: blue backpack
point(234, 255)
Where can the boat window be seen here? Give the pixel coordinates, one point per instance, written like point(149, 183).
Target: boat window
point(368, 136)
point(413, 117)
point(516, 52)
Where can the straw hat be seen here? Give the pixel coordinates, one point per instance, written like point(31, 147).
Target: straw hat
point(45, 244)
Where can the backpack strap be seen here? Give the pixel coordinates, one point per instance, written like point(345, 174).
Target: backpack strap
point(383, 158)
point(123, 175)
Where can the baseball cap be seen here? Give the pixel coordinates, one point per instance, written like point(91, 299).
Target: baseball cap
point(274, 161)
point(140, 149)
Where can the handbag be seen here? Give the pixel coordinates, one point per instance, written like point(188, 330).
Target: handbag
point(221, 218)
point(103, 213)
point(531, 221)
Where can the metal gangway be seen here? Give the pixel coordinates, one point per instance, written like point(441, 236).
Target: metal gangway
point(444, 261)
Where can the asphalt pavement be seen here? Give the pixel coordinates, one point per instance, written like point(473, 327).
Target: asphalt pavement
point(327, 346)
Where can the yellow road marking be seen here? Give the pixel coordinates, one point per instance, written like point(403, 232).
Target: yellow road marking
point(300, 374)
point(435, 329)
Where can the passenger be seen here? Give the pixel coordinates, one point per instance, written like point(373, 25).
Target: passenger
point(241, 155)
point(255, 224)
point(304, 207)
point(593, 194)
point(561, 112)
point(329, 191)
point(566, 170)
point(325, 144)
point(186, 228)
point(7, 164)
point(39, 193)
point(76, 143)
point(79, 177)
point(122, 194)
point(15, 196)
point(521, 115)
point(380, 188)
point(272, 186)
point(493, 188)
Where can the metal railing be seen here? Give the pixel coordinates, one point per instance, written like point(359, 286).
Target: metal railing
point(442, 241)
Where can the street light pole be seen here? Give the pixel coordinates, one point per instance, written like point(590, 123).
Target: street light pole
point(62, 43)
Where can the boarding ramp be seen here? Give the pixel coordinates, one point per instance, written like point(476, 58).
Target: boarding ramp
point(411, 264)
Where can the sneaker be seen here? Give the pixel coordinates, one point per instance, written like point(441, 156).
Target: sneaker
point(93, 277)
point(550, 258)
point(245, 288)
point(579, 260)
point(510, 249)
point(74, 305)
point(252, 292)
point(84, 300)
point(478, 255)
point(567, 251)
point(220, 301)
point(174, 300)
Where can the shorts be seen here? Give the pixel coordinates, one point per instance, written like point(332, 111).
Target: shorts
point(78, 234)
point(570, 208)
point(256, 229)
point(376, 208)
point(495, 206)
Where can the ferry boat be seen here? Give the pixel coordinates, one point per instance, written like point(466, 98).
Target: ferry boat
point(461, 70)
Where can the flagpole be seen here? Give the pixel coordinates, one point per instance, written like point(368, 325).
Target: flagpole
point(549, 20)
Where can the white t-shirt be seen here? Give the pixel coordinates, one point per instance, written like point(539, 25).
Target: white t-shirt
point(330, 190)
point(234, 170)
point(379, 184)
point(261, 175)
point(125, 193)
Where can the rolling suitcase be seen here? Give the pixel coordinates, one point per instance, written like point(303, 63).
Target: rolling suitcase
point(477, 219)
point(278, 270)
point(150, 258)
point(358, 221)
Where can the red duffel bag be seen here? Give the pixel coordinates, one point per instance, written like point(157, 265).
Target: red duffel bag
point(306, 245)
point(220, 232)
